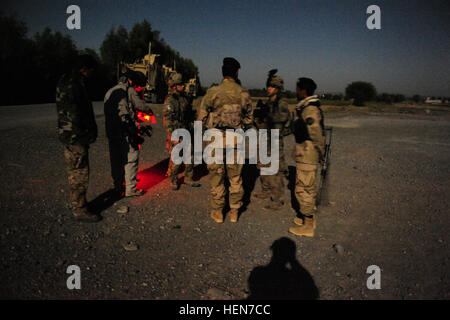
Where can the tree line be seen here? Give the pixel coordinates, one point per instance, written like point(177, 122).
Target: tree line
point(32, 66)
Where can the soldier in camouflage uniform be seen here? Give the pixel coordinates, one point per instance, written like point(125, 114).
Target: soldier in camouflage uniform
point(120, 105)
point(309, 151)
point(77, 130)
point(274, 114)
point(178, 114)
point(226, 106)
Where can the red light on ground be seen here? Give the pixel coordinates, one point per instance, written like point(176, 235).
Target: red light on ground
point(150, 177)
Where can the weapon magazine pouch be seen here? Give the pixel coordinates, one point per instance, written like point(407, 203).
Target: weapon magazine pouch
point(230, 116)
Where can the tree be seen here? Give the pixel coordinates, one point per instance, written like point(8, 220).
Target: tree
point(385, 97)
point(53, 55)
point(416, 98)
point(139, 37)
point(16, 53)
point(360, 92)
point(128, 47)
point(115, 49)
point(398, 98)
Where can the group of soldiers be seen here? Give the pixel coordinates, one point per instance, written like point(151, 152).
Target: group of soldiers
point(225, 106)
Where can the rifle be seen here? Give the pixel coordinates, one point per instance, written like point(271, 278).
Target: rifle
point(132, 132)
point(137, 124)
point(325, 164)
point(144, 122)
point(261, 110)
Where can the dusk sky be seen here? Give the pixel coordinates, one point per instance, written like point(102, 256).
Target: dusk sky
point(325, 40)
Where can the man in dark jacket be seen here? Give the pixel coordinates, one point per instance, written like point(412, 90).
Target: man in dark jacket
point(121, 103)
point(77, 130)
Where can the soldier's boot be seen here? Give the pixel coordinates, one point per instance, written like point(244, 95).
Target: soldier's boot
point(83, 215)
point(234, 214)
point(301, 222)
point(305, 230)
point(262, 195)
point(134, 193)
point(191, 183)
point(217, 216)
point(174, 183)
point(274, 206)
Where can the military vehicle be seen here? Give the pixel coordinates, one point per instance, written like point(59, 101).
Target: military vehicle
point(157, 74)
point(192, 87)
point(155, 89)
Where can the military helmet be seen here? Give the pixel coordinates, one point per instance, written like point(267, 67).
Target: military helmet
point(175, 79)
point(274, 81)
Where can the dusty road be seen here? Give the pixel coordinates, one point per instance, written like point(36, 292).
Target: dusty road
point(388, 205)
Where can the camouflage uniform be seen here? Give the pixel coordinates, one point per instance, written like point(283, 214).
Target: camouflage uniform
point(226, 106)
point(177, 114)
point(120, 103)
point(309, 150)
point(274, 114)
point(76, 130)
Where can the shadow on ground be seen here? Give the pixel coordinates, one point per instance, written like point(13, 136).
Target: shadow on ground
point(104, 201)
point(283, 278)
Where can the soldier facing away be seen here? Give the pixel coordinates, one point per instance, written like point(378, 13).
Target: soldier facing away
point(120, 105)
point(226, 106)
point(274, 114)
point(77, 129)
point(309, 151)
point(178, 114)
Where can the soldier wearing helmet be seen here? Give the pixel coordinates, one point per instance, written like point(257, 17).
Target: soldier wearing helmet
point(274, 114)
point(177, 114)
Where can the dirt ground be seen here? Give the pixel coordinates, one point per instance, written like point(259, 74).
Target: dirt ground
point(387, 205)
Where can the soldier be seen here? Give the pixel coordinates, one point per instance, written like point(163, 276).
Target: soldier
point(178, 114)
point(77, 130)
point(120, 105)
point(309, 151)
point(273, 115)
point(226, 106)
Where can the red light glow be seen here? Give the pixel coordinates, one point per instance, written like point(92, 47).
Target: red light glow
point(144, 117)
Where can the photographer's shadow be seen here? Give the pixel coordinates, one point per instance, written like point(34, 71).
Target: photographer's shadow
point(283, 278)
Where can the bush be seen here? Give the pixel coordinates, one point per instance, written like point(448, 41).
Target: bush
point(360, 92)
point(391, 98)
point(416, 98)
